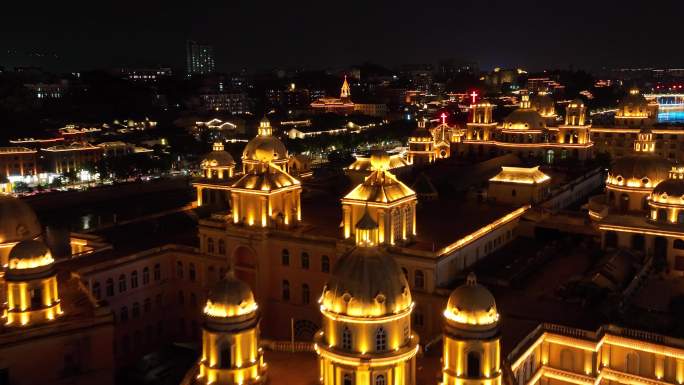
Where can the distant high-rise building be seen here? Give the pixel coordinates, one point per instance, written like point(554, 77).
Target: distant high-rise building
point(199, 58)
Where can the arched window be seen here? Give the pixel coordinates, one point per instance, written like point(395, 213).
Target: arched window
point(123, 314)
point(222, 247)
point(96, 290)
point(346, 339)
point(381, 340)
point(286, 290)
point(285, 258)
point(473, 368)
point(210, 245)
point(134, 279)
point(146, 275)
point(135, 310)
point(380, 380)
point(347, 379)
point(305, 294)
point(305, 260)
point(157, 272)
point(513, 192)
point(179, 269)
point(325, 264)
point(110, 287)
point(662, 215)
point(191, 271)
point(147, 305)
point(419, 279)
point(122, 283)
point(678, 244)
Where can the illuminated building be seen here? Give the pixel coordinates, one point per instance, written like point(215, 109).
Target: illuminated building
point(72, 157)
point(519, 185)
point(529, 131)
point(641, 208)
point(366, 335)
point(471, 349)
point(635, 110)
point(390, 202)
point(18, 161)
point(265, 195)
point(32, 296)
point(230, 337)
point(55, 320)
point(341, 105)
point(421, 145)
point(199, 58)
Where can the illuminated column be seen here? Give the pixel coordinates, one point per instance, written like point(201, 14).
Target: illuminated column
point(199, 196)
point(413, 217)
point(235, 200)
point(346, 217)
point(263, 205)
point(220, 173)
point(298, 202)
point(382, 224)
point(230, 336)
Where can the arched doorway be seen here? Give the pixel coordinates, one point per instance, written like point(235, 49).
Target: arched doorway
point(473, 364)
point(305, 330)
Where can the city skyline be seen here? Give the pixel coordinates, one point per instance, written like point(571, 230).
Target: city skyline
point(530, 34)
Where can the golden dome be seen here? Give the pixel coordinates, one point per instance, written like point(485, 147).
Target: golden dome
point(29, 256)
point(265, 149)
point(670, 191)
point(18, 222)
point(366, 282)
point(230, 297)
point(524, 119)
point(640, 170)
point(218, 158)
point(543, 102)
point(472, 304)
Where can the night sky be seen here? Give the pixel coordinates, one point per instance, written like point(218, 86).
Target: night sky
point(267, 34)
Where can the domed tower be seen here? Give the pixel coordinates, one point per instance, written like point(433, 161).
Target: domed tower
point(387, 200)
point(264, 148)
point(230, 336)
point(635, 110)
point(218, 164)
point(421, 145)
point(575, 130)
point(666, 203)
point(218, 168)
point(472, 353)
point(31, 285)
point(266, 195)
point(366, 336)
point(481, 125)
point(18, 222)
point(631, 179)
